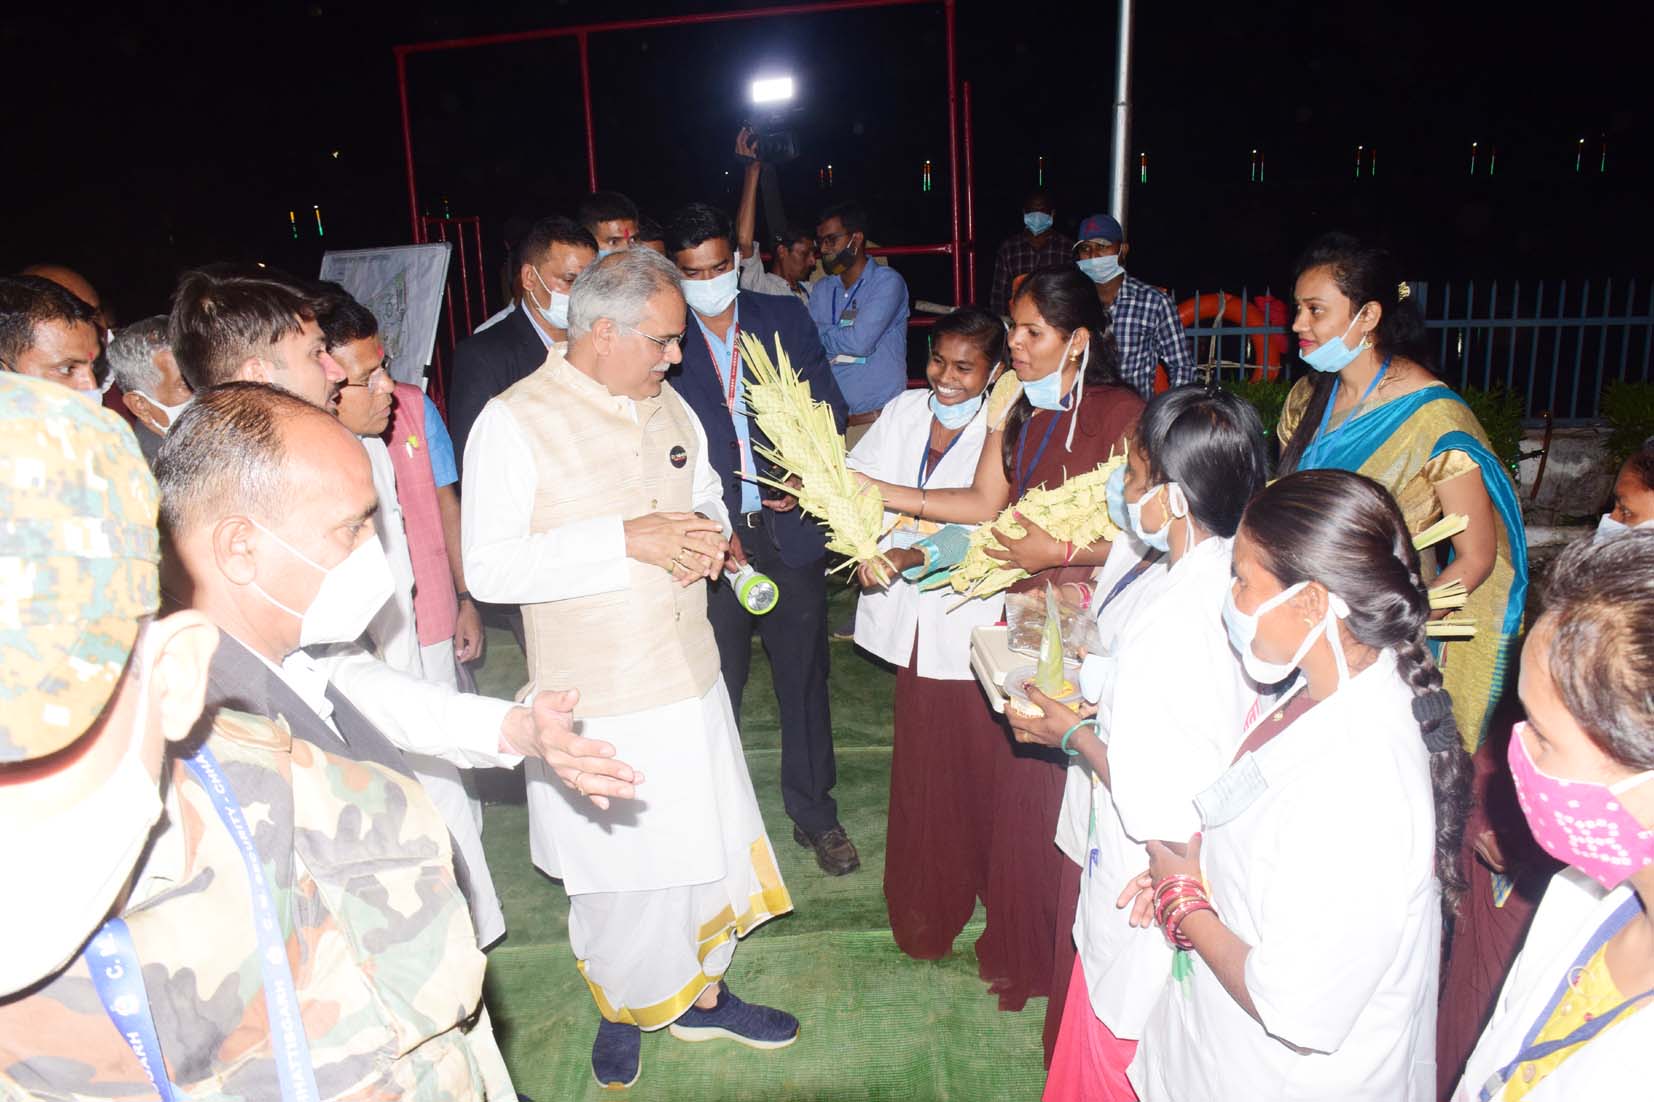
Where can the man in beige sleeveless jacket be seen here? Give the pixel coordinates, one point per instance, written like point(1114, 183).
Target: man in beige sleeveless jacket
point(589, 501)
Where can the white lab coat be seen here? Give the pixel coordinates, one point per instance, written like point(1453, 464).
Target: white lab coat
point(887, 619)
point(1329, 875)
point(1097, 676)
point(1614, 1063)
point(1178, 699)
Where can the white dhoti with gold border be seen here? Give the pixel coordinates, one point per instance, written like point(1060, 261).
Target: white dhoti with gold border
point(660, 887)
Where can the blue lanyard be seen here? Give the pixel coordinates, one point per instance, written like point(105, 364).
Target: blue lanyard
point(1326, 414)
point(1023, 474)
point(1531, 1050)
point(925, 470)
point(121, 984)
point(849, 300)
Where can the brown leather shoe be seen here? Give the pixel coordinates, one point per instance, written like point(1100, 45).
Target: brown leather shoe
point(835, 853)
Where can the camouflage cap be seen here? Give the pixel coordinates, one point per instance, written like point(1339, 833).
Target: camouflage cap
point(79, 562)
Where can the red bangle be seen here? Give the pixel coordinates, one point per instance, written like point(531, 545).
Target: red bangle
point(1174, 931)
point(1068, 552)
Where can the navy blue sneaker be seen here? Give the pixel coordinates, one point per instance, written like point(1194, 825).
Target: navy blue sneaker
point(617, 1055)
point(732, 1019)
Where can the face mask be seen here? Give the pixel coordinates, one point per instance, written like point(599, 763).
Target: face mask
point(350, 594)
point(959, 415)
point(601, 253)
point(1176, 506)
point(711, 297)
point(1608, 528)
point(1047, 392)
point(839, 262)
point(1335, 355)
point(1115, 488)
point(557, 314)
point(72, 865)
point(1243, 628)
point(172, 412)
point(1581, 823)
point(1037, 221)
point(1101, 269)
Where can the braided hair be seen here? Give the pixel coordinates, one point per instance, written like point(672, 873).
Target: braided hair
point(1345, 531)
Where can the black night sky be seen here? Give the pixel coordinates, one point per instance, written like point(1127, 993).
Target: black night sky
point(147, 137)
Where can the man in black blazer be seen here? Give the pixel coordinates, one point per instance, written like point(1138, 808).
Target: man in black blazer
point(555, 250)
point(770, 531)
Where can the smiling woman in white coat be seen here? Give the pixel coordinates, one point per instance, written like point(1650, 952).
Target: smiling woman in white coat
point(1307, 910)
point(1573, 1020)
point(1196, 457)
point(947, 741)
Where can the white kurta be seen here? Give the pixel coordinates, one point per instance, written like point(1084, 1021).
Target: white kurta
point(1174, 722)
point(661, 885)
point(1613, 1064)
point(395, 635)
point(887, 619)
point(1329, 875)
point(670, 835)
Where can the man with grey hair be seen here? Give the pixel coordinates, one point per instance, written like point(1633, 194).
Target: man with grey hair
point(152, 389)
point(589, 500)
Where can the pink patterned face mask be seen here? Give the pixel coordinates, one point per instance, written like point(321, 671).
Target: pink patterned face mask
point(1581, 823)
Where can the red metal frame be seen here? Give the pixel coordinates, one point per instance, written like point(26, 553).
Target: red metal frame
point(957, 247)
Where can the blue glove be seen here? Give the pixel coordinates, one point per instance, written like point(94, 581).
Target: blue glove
point(943, 550)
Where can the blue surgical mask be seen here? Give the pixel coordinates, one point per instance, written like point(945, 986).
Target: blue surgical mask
point(1047, 392)
point(1335, 355)
point(959, 415)
point(1037, 221)
point(601, 253)
point(1116, 491)
point(1161, 538)
point(1101, 269)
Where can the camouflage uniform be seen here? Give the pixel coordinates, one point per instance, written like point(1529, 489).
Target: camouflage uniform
point(388, 974)
point(78, 562)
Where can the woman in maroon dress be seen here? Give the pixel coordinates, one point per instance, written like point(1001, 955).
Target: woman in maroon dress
point(1072, 413)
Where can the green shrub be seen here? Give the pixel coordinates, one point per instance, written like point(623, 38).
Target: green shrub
point(1266, 397)
point(1629, 408)
point(1500, 412)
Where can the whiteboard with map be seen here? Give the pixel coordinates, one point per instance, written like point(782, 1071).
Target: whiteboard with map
point(403, 286)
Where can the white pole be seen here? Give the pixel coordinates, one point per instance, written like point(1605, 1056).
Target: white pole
point(1120, 159)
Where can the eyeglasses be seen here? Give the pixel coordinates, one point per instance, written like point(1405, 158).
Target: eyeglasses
point(826, 241)
point(664, 342)
point(375, 377)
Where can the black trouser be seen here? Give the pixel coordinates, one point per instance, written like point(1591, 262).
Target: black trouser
point(794, 634)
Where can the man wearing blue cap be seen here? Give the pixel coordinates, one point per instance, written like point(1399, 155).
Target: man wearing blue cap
point(1146, 326)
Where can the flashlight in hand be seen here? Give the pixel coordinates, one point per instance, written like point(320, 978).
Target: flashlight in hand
point(757, 592)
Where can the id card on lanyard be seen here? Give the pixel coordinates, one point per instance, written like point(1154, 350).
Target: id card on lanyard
point(117, 973)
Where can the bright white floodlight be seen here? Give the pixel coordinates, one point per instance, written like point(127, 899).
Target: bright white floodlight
point(768, 90)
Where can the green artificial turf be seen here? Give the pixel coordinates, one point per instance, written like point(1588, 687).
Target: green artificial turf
point(875, 1025)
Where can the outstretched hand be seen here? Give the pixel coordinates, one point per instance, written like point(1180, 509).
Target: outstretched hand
point(1037, 550)
point(545, 730)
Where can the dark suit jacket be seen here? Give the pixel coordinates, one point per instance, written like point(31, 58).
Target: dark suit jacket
point(239, 680)
point(799, 538)
point(485, 364)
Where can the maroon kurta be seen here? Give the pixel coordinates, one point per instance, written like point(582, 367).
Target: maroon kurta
point(1024, 897)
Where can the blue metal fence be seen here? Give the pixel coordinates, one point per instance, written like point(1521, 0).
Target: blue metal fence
point(1557, 344)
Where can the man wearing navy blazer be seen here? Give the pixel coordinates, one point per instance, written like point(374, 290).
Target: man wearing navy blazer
point(771, 532)
point(554, 252)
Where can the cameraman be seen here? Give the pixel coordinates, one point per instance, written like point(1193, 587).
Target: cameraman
point(795, 247)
